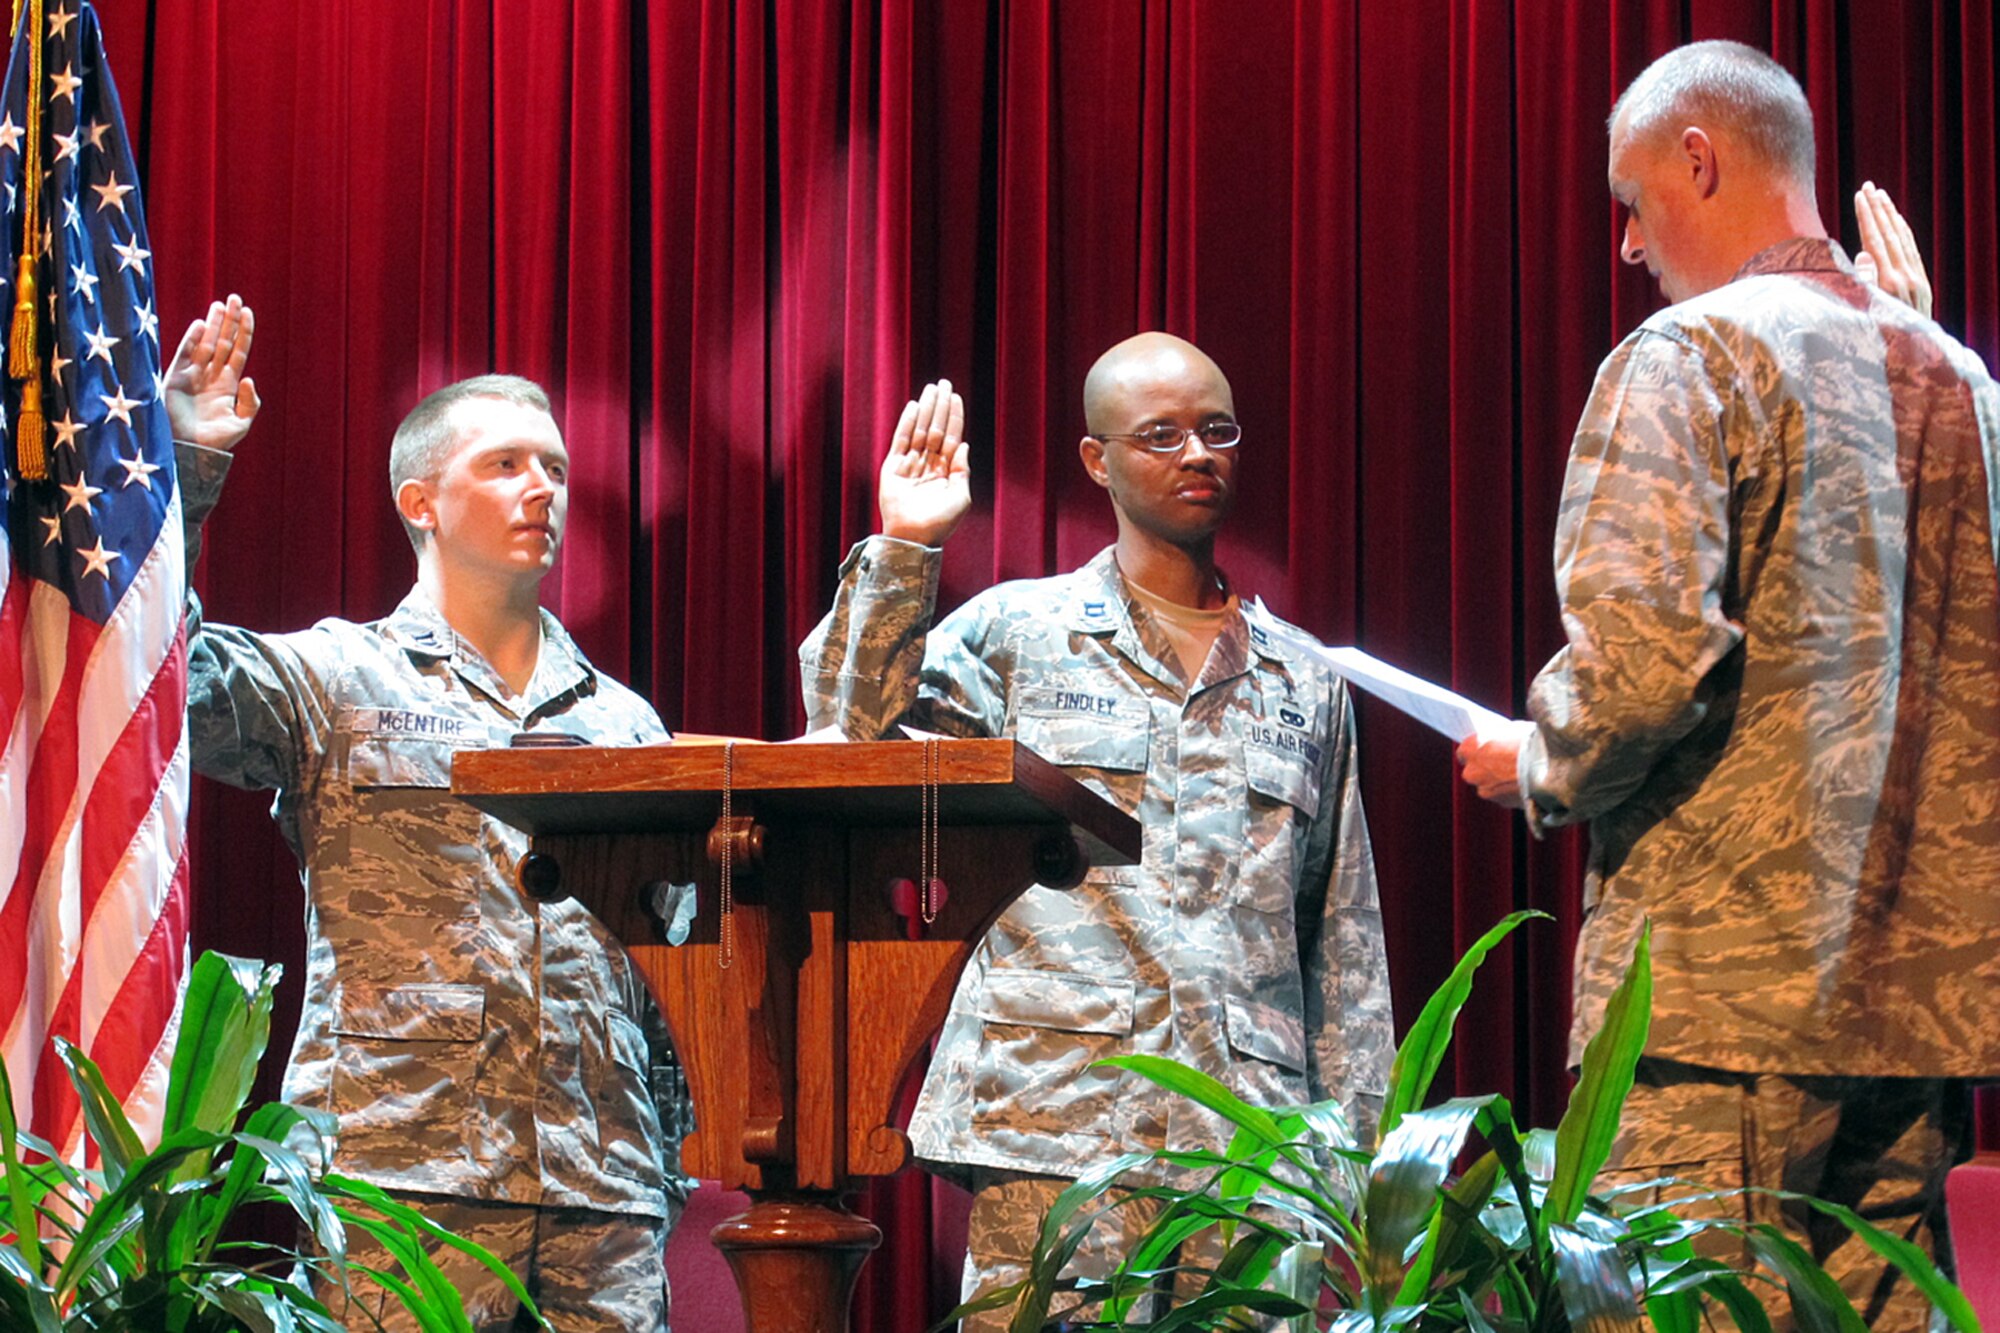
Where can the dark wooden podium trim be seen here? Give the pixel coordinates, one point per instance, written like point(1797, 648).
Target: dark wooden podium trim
point(587, 789)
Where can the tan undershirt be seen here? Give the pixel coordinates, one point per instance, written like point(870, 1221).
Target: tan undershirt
point(1191, 630)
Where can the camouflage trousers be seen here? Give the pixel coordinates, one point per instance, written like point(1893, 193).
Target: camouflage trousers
point(588, 1271)
point(1880, 1146)
point(1006, 1220)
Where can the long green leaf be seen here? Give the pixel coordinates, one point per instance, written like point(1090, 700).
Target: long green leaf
point(1449, 1224)
point(1422, 1051)
point(1203, 1310)
point(1744, 1308)
point(1596, 1290)
point(117, 1142)
point(248, 1166)
point(428, 1297)
point(115, 1213)
point(225, 1026)
point(416, 1223)
point(24, 1296)
point(1908, 1257)
point(1403, 1188)
point(20, 1201)
point(1818, 1303)
point(1590, 1121)
point(1203, 1090)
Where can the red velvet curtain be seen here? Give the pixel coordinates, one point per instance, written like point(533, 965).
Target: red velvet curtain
point(732, 237)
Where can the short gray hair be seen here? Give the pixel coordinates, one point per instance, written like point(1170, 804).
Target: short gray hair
point(425, 440)
point(1726, 87)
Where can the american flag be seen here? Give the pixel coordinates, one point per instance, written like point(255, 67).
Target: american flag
point(93, 659)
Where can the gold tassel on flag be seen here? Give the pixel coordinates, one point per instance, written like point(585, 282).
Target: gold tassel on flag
point(24, 361)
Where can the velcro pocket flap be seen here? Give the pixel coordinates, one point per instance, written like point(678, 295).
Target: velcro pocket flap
point(1065, 1001)
point(413, 1013)
point(1266, 1033)
point(402, 762)
point(1291, 778)
point(1086, 730)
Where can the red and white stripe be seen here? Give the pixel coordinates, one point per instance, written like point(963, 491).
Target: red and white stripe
point(93, 839)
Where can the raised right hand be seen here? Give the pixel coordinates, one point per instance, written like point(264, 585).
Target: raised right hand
point(925, 485)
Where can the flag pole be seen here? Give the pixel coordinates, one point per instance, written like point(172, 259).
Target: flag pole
point(24, 362)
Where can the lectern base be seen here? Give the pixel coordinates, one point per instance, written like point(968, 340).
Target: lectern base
point(795, 1260)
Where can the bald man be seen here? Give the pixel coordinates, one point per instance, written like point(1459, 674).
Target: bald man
point(1778, 708)
point(1248, 941)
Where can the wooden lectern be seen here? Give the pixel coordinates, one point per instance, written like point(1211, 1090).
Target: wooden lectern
point(799, 995)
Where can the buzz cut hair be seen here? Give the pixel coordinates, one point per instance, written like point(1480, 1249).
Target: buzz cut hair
point(425, 440)
point(1730, 88)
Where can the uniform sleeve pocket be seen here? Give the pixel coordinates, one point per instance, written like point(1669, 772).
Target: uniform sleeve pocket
point(1065, 1001)
point(412, 1013)
point(1266, 1033)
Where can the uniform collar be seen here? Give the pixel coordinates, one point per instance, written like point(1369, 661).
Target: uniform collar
point(1270, 638)
point(1801, 254)
point(1101, 605)
point(420, 629)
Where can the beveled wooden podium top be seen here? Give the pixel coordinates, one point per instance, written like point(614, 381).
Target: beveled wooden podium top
point(677, 785)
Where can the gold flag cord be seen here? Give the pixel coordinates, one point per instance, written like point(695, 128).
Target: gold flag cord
point(24, 362)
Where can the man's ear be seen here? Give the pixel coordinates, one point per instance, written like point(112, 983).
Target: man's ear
point(1698, 152)
point(413, 502)
point(1091, 450)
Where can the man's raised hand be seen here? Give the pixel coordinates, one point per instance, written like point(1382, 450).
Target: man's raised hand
point(210, 401)
point(1889, 256)
point(925, 485)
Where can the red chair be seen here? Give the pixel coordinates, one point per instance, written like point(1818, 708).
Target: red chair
point(1972, 1198)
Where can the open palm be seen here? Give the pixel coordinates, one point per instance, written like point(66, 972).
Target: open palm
point(925, 486)
point(210, 401)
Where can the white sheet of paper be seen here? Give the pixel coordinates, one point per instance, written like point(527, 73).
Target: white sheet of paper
point(1433, 705)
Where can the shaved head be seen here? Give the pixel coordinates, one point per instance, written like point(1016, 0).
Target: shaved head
point(1132, 366)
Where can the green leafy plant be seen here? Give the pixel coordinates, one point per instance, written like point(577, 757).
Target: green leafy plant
point(1307, 1230)
point(141, 1242)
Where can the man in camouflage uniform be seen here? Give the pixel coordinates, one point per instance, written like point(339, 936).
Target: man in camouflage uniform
point(1247, 942)
point(1779, 707)
point(496, 1061)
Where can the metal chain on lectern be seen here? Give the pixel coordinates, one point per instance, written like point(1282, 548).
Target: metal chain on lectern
point(728, 859)
point(927, 832)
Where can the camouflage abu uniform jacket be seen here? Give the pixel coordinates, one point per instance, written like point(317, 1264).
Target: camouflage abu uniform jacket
point(1249, 941)
point(472, 1042)
point(1780, 704)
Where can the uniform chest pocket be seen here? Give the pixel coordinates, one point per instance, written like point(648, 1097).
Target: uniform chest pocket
point(1277, 819)
point(411, 847)
point(378, 762)
point(1109, 734)
point(1102, 743)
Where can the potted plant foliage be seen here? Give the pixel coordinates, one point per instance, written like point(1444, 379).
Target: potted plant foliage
point(143, 1241)
point(1314, 1231)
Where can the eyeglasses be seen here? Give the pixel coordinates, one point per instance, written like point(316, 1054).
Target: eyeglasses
point(1166, 438)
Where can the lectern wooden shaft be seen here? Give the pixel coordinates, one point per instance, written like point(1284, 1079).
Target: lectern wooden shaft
point(797, 1022)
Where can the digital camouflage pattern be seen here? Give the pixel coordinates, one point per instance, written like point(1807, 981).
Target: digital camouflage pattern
point(1248, 943)
point(1881, 1146)
point(1779, 707)
point(1005, 1221)
point(472, 1042)
point(594, 1272)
